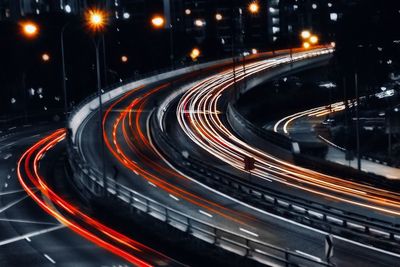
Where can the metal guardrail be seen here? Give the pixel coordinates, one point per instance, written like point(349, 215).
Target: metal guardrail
point(86, 179)
point(280, 140)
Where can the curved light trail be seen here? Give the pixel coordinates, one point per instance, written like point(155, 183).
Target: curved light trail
point(71, 216)
point(148, 164)
point(200, 118)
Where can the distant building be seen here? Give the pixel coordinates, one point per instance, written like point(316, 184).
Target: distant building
point(15, 9)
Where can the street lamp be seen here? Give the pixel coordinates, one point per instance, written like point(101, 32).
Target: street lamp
point(96, 20)
point(314, 39)
point(305, 34)
point(45, 57)
point(195, 53)
point(218, 16)
point(30, 29)
point(254, 8)
point(158, 21)
point(306, 45)
point(124, 59)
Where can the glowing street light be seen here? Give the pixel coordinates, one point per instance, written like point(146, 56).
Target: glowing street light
point(306, 45)
point(199, 23)
point(195, 54)
point(96, 19)
point(158, 21)
point(305, 34)
point(218, 16)
point(254, 8)
point(30, 29)
point(45, 57)
point(124, 59)
point(314, 39)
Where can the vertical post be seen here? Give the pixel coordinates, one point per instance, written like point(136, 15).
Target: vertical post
point(357, 122)
point(26, 104)
point(64, 78)
point(97, 43)
point(389, 134)
point(171, 45)
point(104, 60)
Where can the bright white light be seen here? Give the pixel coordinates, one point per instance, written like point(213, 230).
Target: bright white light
point(188, 11)
point(384, 94)
point(254, 51)
point(329, 4)
point(314, 6)
point(199, 23)
point(126, 15)
point(334, 16)
point(272, 10)
point(67, 8)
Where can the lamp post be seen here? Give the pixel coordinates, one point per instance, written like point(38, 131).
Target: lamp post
point(30, 30)
point(96, 22)
point(64, 75)
point(158, 22)
point(254, 7)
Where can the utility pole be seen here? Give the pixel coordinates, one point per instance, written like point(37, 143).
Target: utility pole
point(357, 122)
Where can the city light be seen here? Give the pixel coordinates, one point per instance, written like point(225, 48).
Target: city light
point(124, 59)
point(30, 29)
point(218, 16)
point(195, 54)
point(305, 34)
point(45, 57)
point(126, 15)
point(96, 19)
point(157, 21)
point(199, 23)
point(254, 7)
point(314, 39)
point(306, 45)
point(254, 51)
point(188, 11)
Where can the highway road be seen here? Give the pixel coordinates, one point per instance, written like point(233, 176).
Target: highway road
point(28, 235)
point(300, 126)
point(134, 161)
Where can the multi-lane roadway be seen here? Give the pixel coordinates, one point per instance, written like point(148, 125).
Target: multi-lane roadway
point(142, 166)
